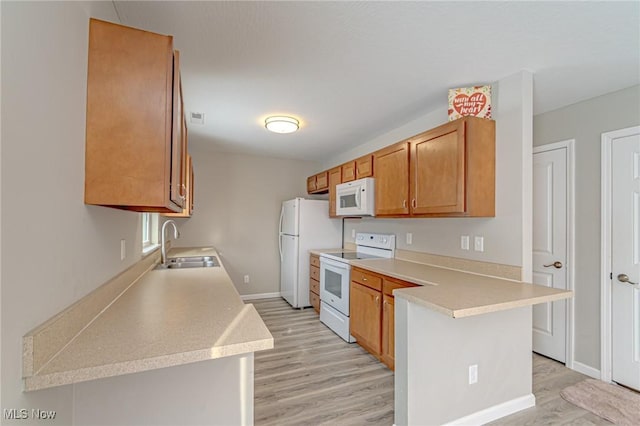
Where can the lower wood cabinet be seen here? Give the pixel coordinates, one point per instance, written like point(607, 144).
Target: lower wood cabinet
point(388, 331)
point(372, 310)
point(365, 316)
point(314, 282)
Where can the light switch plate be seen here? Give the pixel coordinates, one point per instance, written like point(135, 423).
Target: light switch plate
point(473, 374)
point(353, 233)
point(478, 243)
point(123, 249)
point(409, 238)
point(464, 242)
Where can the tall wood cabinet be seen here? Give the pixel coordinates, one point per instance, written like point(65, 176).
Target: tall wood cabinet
point(134, 157)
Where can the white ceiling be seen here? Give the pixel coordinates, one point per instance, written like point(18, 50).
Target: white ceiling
point(354, 70)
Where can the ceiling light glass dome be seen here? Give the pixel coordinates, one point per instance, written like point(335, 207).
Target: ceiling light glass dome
point(281, 124)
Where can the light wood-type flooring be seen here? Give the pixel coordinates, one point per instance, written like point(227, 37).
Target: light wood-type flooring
point(313, 377)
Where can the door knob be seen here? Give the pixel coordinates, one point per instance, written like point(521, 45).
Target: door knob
point(557, 264)
point(624, 278)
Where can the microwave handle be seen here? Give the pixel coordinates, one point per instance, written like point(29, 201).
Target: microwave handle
point(358, 196)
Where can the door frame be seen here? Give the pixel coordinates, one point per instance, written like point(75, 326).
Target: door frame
point(569, 145)
point(605, 247)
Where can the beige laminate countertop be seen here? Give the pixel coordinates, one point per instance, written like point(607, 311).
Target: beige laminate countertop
point(318, 252)
point(166, 318)
point(457, 293)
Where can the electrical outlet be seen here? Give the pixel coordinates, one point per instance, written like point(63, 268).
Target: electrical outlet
point(473, 374)
point(353, 233)
point(246, 279)
point(478, 243)
point(464, 242)
point(123, 249)
point(409, 238)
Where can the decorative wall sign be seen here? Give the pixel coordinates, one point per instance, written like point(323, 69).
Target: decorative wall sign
point(474, 101)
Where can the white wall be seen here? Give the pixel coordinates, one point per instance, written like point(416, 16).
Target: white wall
point(585, 122)
point(54, 248)
point(237, 207)
point(505, 235)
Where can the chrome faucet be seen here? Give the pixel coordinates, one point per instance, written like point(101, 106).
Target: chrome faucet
point(163, 249)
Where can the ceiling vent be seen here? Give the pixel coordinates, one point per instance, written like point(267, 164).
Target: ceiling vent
point(197, 118)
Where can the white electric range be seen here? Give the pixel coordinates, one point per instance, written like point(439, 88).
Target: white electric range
point(335, 277)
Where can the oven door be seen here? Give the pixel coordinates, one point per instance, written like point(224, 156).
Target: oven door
point(334, 284)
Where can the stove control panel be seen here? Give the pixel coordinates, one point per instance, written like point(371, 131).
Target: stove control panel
point(382, 241)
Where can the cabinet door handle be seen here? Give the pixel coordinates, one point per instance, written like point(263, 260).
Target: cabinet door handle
point(404, 204)
point(364, 278)
point(414, 204)
point(377, 301)
point(183, 192)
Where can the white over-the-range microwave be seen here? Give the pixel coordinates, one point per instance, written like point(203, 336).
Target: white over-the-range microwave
point(356, 198)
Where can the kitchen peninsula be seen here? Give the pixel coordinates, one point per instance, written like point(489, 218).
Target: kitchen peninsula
point(462, 343)
point(186, 327)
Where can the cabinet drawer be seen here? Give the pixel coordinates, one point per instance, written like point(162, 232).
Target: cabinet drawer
point(315, 260)
point(315, 301)
point(366, 278)
point(314, 272)
point(314, 286)
point(389, 285)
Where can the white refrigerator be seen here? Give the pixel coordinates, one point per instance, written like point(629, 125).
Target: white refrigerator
point(304, 225)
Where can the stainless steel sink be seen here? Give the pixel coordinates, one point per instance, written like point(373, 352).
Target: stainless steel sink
point(190, 262)
point(192, 259)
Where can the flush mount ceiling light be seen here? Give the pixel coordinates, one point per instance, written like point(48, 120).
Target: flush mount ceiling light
point(281, 124)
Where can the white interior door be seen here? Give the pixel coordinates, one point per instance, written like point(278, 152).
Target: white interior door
point(550, 249)
point(625, 260)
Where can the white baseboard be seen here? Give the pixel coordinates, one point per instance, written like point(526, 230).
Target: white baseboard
point(586, 370)
point(497, 411)
point(259, 296)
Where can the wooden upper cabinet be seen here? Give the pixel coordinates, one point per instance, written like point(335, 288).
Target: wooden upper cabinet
point(318, 183)
point(178, 141)
point(187, 210)
point(453, 169)
point(311, 184)
point(322, 181)
point(364, 167)
point(335, 178)
point(349, 171)
point(438, 173)
point(391, 167)
point(130, 138)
